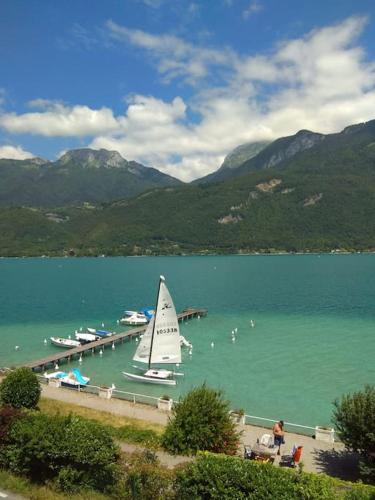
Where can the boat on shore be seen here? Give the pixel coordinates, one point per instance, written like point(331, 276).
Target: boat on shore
point(67, 343)
point(160, 343)
point(72, 379)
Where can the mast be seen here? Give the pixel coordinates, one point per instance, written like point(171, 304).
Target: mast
point(153, 327)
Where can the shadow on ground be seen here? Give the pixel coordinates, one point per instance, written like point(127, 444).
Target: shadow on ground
point(340, 464)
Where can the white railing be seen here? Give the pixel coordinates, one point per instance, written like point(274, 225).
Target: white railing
point(153, 401)
point(249, 419)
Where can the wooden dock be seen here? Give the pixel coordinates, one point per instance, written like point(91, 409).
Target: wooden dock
point(68, 354)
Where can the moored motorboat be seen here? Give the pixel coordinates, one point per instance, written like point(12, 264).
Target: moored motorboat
point(68, 343)
point(137, 319)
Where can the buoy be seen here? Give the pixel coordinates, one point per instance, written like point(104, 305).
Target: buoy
point(113, 346)
point(69, 337)
point(56, 366)
point(198, 317)
point(212, 344)
point(45, 341)
point(136, 339)
point(17, 347)
point(233, 339)
point(101, 352)
point(235, 330)
point(118, 321)
point(102, 325)
point(80, 329)
point(252, 323)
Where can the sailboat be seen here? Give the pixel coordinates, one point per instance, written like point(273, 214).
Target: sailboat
point(160, 343)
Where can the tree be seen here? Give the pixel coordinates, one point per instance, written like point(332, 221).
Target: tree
point(354, 418)
point(20, 389)
point(201, 421)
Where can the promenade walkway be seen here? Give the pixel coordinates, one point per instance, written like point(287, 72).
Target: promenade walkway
point(316, 456)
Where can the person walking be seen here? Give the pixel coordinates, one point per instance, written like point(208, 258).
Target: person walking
point(278, 434)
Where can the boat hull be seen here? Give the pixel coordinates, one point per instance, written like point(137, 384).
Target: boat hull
point(149, 380)
point(60, 342)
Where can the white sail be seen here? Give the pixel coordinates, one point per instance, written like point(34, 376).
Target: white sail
point(142, 354)
point(165, 342)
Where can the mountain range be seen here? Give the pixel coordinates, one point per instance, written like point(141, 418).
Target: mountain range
point(81, 175)
point(306, 192)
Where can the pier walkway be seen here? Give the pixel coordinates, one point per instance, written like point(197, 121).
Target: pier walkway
point(68, 354)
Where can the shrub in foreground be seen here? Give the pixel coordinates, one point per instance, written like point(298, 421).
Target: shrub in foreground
point(20, 389)
point(74, 451)
point(225, 478)
point(354, 418)
point(201, 421)
point(145, 479)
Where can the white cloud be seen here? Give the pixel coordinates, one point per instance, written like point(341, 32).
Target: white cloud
point(14, 153)
point(253, 7)
point(322, 81)
point(175, 57)
point(60, 120)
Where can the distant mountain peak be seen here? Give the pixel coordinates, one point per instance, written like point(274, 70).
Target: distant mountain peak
point(93, 158)
point(242, 153)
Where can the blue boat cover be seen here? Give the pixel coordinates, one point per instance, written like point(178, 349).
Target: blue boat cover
point(102, 333)
point(148, 312)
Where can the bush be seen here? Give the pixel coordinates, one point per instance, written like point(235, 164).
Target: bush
point(201, 421)
point(20, 389)
point(226, 478)
point(75, 451)
point(146, 479)
point(354, 418)
point(8, 415)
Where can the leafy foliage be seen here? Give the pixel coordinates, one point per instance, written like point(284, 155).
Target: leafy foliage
point(20, 389)
point(8, 414)
point(146, 479)
point(201, 421)
point(225, 478)
point(354, 418)
point(75, 451)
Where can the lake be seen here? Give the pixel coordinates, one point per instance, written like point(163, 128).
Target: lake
point(313, 340)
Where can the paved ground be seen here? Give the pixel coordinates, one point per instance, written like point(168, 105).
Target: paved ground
point(316, 456)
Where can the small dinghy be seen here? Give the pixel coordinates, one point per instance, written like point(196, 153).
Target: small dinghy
point(86, 337)
point(68, 343)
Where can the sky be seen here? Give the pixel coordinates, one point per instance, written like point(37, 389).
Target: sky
point(177, 84)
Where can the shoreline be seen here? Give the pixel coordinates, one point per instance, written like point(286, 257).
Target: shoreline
point(238, 254)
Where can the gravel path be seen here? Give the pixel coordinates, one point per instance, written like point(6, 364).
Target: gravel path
point(316, 456)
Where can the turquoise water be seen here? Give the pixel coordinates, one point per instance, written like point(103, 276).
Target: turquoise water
point(314, 337)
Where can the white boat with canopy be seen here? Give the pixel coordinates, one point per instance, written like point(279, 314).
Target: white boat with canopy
point(160, 343)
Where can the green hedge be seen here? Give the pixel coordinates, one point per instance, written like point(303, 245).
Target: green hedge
point(221, 477)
